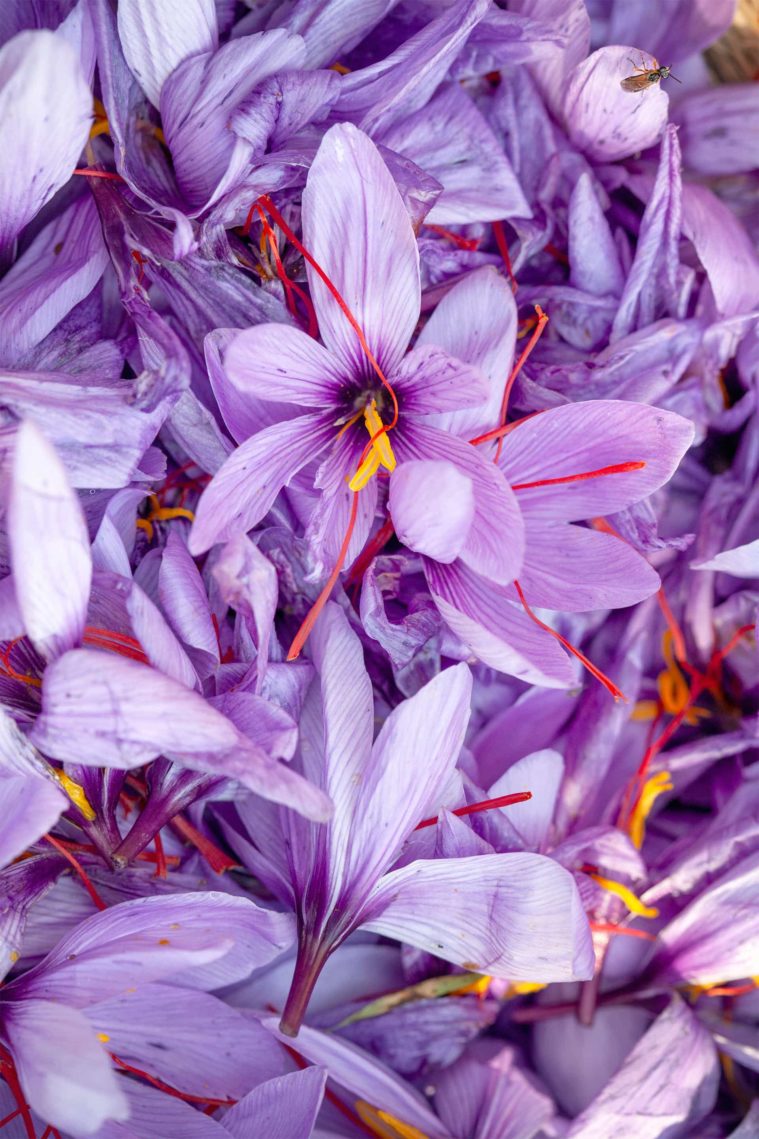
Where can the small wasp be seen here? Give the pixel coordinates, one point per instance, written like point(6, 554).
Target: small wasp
point(646, 76)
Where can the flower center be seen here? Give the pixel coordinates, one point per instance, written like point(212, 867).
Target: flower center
point(380, 453)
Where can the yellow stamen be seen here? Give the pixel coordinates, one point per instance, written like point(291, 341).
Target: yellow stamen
point(165, 513)
point(103, 1037)
point(76, 794)
point(633, 903)
point(645, 710)
point(384, 1124)
point(146, 525)
point(381, 453)
point(654, 786)
point(521, 988)
point(340, 68)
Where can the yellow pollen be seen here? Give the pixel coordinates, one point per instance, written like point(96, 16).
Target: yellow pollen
point(76, 794)
point(14, 956)
point(163, 941)
point(103, 1037)
point(340, 68)
point(521, 988)
point(654, 786)
point(381, 453)
point(384, 1124)
point(633, 903)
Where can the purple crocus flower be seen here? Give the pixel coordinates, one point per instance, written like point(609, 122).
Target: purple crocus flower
point(373, 401)
point(509, 915)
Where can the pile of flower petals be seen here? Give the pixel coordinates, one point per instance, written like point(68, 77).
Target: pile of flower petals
point(379, 526)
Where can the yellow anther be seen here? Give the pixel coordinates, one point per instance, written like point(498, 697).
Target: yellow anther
point(166, 513)
point(645, 710)
point(385, 1125)
point(76, 794)
point(340, 68)
point(633, 903)
point(14, 956)
point(521, 988)
point(655, 786)
point(381, 453)
point(103, 1037)
point(146, 525)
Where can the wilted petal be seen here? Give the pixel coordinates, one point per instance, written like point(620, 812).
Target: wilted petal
point(667, 1084)
point(432, 507)
point(516, 916)
point(243, 490)
point(375, 267)
point(156, 38)
point(63, 1068)
point(282, 1108)
point(604, 121)
point(50, 547)
point(592, 436)
point(45, 115)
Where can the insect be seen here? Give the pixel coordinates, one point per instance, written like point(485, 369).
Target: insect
point(646, 77)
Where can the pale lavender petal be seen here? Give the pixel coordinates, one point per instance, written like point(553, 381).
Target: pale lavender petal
point(50, 547)
point(346, 22)
point(572, 569)
point(185, 602)
point(516, 916)
point(240, 494)
point(604, 121)
point(275, 362)
point(281, 1108)
point(104, 710)
point(191, 1040)
point(374, 267)
point(742, 561)
point(161, 646)
point(667, 1085)
point(155, 1115)
point(247, 581)
point(45, 116)
point(541, 773)
point(485, 1095)
point(476, 321)
point(156, 38)
point(153, 938)
point(594, 263)
point(719, 129)
point(497, 631)
point(495, 542)
point(450, 139)
point(432, 507)
point(682, 27)
point(591, 436)
point(29, 807)
point(535, 719)
point(64, 1070)
point(429, 381)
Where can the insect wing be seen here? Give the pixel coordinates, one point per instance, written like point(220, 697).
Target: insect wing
point(635, 82)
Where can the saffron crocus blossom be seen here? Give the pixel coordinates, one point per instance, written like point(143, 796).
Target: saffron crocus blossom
point(570, 463)
point(370, 400)
point(510, 915)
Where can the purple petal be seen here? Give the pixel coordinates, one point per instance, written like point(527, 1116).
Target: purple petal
point(742, 561)
point(668, 1083)
point(571, 569)
point(476, 321)
point(594, 264)
point(541, 773)
point(50, 547)
point(29, 806)
point(375, 267)
point(247, 581)
point(148, 939)
point(282, 1108)
point(719, 129)
point(430, 381)
point(343, 22)
point(45, 116)
point(724, 249)
point(495, 542)
point(604, 121)
point(241, 492)
point(498, 632)
point(485, 1095)
point(681, 29)
point(156, 39)
point(516, 916)
point(432, 506)
point(275, 362)
point(155, 1115)
point(64, 1070)
point(592, 436)
point(451, 140)
point(101, 709)
point(184, 600)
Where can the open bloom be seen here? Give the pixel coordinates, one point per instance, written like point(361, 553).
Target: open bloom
point(370, 398)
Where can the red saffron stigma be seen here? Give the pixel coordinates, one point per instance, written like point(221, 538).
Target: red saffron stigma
point(291, 288)
point(526, 351)
point(503, 248)
point(303, 632)
point(678, 640)
point(373, 547)
point(615, 469)
point(5, 664)
point(78, 868)
point(216, 858)
point(168, 1089)
point(114, 642)
point(609, 685)
point(99, 174)
point(609, 927)
point(161, 868)
point(556, 253)
point(8, 1072)
point(483, 805)
point(457, 239)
